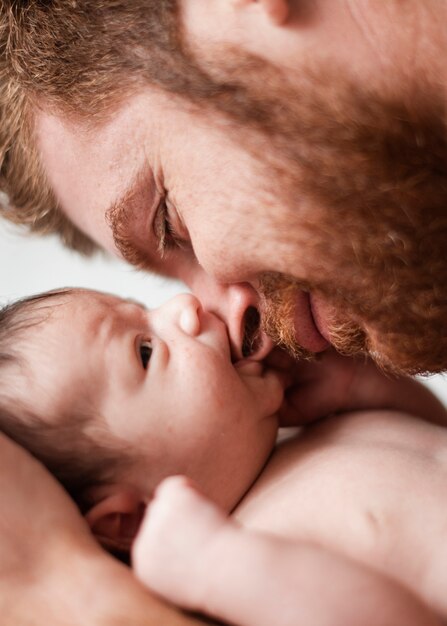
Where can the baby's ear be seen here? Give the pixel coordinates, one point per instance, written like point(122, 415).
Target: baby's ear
point(277, 10)
point(116, 517)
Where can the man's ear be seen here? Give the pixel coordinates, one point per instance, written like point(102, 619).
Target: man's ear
point(277, 10)
point(116, 516)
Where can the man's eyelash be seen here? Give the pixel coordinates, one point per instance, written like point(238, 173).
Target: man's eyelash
point(164, 230)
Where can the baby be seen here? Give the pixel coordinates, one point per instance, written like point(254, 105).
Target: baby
point(344, 523)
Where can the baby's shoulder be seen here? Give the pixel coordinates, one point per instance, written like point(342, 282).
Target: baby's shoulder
point(361, 449)
point(377, 427)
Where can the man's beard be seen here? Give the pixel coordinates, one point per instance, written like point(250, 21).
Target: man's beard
point(365, 176)
point(278, 295)
point(392, 351)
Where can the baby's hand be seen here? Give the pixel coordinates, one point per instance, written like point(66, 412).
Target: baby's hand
point(173, 551)
point(330, 384)
point(335, 384)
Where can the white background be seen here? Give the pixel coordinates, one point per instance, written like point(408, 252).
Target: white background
point(30, 264)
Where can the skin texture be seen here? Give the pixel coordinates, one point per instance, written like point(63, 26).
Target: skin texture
point(151, 377)
point(344, 496)
point(33, 589)
point(415, 42)
point(202, 568)
point(333, 234)
point(224, 413)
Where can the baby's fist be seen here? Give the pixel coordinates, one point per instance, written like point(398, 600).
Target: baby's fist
point(171, 552)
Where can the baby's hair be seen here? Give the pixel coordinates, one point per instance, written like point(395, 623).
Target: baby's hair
point(65, 448)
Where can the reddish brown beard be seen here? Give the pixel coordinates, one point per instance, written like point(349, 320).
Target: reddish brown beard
point(370, 167)
point(278, 294)
point(393, 352)
point(277, 307)
point(365, 177)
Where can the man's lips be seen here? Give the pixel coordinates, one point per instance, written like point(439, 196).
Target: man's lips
point(307, 333)
point(322, 313)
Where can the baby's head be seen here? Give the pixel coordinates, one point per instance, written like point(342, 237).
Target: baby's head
point(113, 398)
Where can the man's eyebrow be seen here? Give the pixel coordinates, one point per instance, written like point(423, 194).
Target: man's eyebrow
point(128, 218)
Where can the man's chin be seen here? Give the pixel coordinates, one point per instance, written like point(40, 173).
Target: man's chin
point(394, 353)
point(304, 324)
point(349, 340)
point(402, 356)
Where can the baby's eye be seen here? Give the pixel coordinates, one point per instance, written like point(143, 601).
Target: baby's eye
point(145, 352)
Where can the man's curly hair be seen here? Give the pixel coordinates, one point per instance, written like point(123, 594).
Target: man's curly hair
point(81, 58)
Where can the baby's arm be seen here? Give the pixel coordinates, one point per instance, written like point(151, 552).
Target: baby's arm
point(190, 553)
point(335, 384)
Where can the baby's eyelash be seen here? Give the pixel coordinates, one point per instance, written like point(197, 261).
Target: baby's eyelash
point(145, 352)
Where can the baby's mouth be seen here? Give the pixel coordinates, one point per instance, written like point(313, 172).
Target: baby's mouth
point(252, 339)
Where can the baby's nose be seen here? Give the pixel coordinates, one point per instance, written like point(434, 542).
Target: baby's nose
point(189, 320)
point(237, 305)
point(184, 309)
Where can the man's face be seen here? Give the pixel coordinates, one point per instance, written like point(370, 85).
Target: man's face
point(279, 193)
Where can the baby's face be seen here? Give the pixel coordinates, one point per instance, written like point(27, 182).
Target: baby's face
point(165, 385)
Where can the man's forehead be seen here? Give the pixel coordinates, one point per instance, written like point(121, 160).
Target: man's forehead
point(91, 169)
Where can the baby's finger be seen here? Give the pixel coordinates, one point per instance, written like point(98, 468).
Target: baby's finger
point(277, 10)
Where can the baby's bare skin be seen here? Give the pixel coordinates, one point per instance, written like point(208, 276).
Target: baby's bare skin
point(368, 486)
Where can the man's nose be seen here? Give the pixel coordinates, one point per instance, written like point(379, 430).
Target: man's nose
point(236, 304)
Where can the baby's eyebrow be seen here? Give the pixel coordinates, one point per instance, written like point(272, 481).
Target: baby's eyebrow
point(101, 326)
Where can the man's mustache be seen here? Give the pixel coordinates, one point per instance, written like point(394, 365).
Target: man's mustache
point(277, 306)
point(278, 296)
